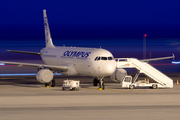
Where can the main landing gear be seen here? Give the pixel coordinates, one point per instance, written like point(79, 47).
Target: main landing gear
point(52, 83)
point(100, 82)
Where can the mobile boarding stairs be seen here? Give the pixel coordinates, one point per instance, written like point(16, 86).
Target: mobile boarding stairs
point(144, 67)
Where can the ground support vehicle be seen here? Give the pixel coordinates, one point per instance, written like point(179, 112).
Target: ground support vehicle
point(72, 85)
point(127, 83)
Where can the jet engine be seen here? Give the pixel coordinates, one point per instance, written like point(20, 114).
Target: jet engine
point(44, 76)
point(118, 75)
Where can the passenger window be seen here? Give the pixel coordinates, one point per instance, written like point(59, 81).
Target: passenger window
point(110, 58)
point(103, 58)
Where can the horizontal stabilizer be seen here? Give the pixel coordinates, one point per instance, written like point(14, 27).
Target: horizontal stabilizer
point(24, 52)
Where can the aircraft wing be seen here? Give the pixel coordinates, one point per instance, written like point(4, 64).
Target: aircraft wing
point(19, 64)
point(161, 58)
point(25, 52)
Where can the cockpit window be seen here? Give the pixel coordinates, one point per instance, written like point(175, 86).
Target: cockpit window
point(110, 58)
point(103, 58)
point(95, 58)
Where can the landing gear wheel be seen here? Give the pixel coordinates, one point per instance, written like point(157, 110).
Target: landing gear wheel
point(131, 86)
point(103, 86)
point(154, 86)
point(95, 82)
point(46, 84)
point(53, 83)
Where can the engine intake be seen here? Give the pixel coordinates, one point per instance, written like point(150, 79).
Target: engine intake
point(44, 76)
point(118, 75)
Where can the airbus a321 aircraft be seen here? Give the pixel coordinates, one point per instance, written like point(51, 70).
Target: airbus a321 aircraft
point(71, 61)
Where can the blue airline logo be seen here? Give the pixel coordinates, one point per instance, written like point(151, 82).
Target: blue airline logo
point(76, 54)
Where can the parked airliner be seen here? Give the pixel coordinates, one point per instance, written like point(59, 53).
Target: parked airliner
point(72, 61)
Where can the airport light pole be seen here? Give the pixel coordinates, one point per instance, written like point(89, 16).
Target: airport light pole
point(144, 46)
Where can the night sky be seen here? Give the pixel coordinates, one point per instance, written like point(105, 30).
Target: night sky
point(116, 25)
point(90, 19)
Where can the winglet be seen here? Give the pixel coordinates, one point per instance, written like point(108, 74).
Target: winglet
point(173, 56)
point(48, 38)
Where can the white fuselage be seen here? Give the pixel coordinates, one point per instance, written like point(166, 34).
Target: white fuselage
point(80, 61)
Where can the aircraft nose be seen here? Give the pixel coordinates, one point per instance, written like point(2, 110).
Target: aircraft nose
point(109, 68)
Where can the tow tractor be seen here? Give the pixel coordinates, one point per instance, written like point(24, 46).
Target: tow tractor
point(127, 83)
point(72, 85)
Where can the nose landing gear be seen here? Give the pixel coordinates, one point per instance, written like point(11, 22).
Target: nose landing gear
point(101, 84)
point(99, 81)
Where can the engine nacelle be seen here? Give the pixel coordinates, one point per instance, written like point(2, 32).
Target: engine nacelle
point(44, 76)
point(118, 75)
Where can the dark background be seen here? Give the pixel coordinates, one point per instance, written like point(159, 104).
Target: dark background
point(115, 25)
point(90, 19)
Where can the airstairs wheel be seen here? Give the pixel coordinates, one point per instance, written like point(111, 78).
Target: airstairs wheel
point(131, 86)
point(154, 86)
point(73, 89)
